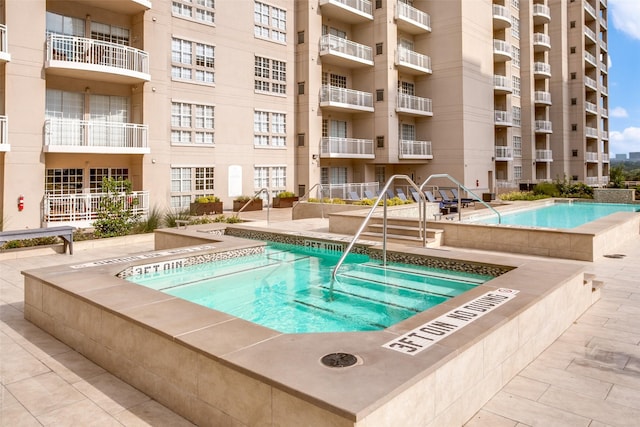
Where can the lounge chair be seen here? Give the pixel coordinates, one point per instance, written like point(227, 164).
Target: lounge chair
point(446, 199)
point(443, 203)
point(353, 195)
point(401, 194)
point(369, 194)
point(390, 193)
point(464, 200)
point(415, 195)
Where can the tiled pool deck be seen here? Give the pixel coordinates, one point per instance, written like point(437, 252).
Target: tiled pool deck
point(590, 376)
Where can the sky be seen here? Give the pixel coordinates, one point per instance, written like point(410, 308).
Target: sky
point(624, 76)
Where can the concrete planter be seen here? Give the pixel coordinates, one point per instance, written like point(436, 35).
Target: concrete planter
point(205, 208)
point(284, 202)
point(254, 205)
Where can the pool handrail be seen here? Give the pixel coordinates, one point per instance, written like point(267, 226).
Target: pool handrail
point(307, 196)
point(252, 198)
point(422, 214)
point(460, 185)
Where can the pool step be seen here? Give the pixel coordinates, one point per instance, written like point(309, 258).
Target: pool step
point(407, 232)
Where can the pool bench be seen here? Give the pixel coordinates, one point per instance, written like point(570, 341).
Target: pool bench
point(65, 232)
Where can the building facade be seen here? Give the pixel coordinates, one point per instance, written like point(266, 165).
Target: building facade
point(199, 97)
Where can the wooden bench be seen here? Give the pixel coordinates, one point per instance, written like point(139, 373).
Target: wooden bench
point(65, 232)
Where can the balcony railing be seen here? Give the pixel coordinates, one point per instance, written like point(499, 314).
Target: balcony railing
point(591, 180)
point(97, 56)
point(501, 16)
point(604, 68)
point(414, 60)
point(347, 99)
point(541, 13)
point(604, 135)
point(502, 83)
point(591, 132)
point(504, 153)
point(541, 40)
point(415, 105)
point(590, 58)
point(352, 11)
point(346, 148)
point(415, 17)
point(590, 9)
point(542, 97)
point(589, 82)
point(590, 107)
point(605, 158)
point(542, 68)
point(603, 89)
point(543, 126)
point(334, 45)
point(410, 149)
point(502, 49)
point(590, 33)
point(604, 112)
point(590, 156)
point(4, 135)
point(81, 210)
point(544, 156)
point(502, 118)
point(4, 44)
point(87, 136)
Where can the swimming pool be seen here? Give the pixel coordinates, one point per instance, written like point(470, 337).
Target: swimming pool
point(560, 215)
point(288, 288)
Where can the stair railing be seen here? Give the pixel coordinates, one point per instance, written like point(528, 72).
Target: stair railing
point(267, 192)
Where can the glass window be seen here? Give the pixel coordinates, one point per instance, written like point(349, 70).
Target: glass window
point(63, 181)
point(270, 75)
point(269, 22)
point(192, 123)
point(187, 66)
point(187, 183)
point(200, 10)
point(269, 129)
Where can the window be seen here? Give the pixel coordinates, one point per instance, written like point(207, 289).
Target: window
point(270, 75)
point(378, 4)
point(96, 175)
point(335, 175)
point(515, 27)
point(300, 88)
point(515, 55)
point(574, 127)
point(300, 37)
point(379, 141)
point(380, 175)
point(187, 183)
point(59, 24)
point(270, 22)
point(572, 49)
point(574, 101)
point(515, 4)
point(63, 181)
point(574, 153)
point(516, 85)
point(301, 138)
point(269, 129)
point(517, 146)
point(378, 48)
point(573, 76)
point(192, 123)
point(572, 24)
point(517, 172)
point(379, 95)
point(272, 177)
point(407, 132)
point(187, 66)
point(516, 116)
point(199, 10)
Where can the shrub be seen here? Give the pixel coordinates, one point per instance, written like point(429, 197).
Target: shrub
point(522, 195)
point(284, 194)
point(152, 222)
point(390, 202)
point(548, 189)
point(328, 200)
point(242, 199)
point(115, 216)
point(207, 199)
point(171, 216)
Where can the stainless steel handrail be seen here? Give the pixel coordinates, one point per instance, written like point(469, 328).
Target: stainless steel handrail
point(307, 196)
point(267, 191)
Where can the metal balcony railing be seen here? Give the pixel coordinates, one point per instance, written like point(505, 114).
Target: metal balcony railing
point(332, 95)
point(4, 135)
point(501, 47)
point(543, 126)
point(590, 107)
point(590, 9)
point(504, 153)
point(414, 104)
point(348, 148)
point(79, 50)
point(330, 43)
point(590, 33)
point(362, 6)
point(502, 118)
point(591, 180)
point(502, 13)
point(64, 135)
point(541, 39)
point(410, 13)
point(542, 97)
point(590, 58)
point(502, 83)
point(542, 68)
point(4, 43)
point(541, 10)
point(544, 156)
point(591, 132)
point(589, 82)
point(414, 59)
point(410, 149)
point(590, 156)
point(82, 209)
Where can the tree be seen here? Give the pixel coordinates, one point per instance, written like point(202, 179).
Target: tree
point(616, 177)
point(115, 213)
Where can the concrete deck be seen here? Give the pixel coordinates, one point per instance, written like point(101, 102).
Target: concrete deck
point(590, 376)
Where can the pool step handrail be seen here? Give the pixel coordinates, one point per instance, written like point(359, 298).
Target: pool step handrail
point(383, 197)
point(306, 195)
point(460, 186)
point(268, 193)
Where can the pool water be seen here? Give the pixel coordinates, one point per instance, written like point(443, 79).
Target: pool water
point(288, 288)
point(560, 215)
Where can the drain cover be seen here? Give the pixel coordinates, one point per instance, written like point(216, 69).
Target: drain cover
point(615, 256)
point(339, 360)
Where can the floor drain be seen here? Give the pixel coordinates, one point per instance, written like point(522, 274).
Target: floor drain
point(615, 256)
point(339, 360)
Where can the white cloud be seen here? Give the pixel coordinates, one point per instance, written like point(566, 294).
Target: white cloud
point(619, 112)
point(626, 16)
point(626, 141)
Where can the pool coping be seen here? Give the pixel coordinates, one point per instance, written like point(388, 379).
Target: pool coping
point(84, 307)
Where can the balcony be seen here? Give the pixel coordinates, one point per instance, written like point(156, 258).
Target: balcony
point(543, 126)
point(82, 136)
point(346, 148)
point(604, 135)
point(124, 7)
point(5, 56)
point(412, 20)
point(605, 158)
point(590, 132)
point(590, 58)
point(410, 149)
point(80, 210)
point(501, 51)
point(591, 157)
point(591, 35)
point(341, 99)
point(590, 83)
point(4, 136)
point(502, 118)
point(349, 11)
point(541, 70)
point(603, 89)
point(501, 17)
point(591, 180)
point(541, 42)
point(603, 22)
point(604, 112)
point(502, 84)
point(83, 58)
point(590, 107)
point(542, 97)
point(541, 14)
point(544, 156)
point(414, 105)
point(590, 9)
point(503, 153)
point(344, 53)
point(411, 62)
point(603, 68)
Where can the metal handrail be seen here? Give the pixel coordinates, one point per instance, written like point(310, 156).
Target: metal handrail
point(383, 195)
point(266, 190)
point(455, 181)
point(307, 196)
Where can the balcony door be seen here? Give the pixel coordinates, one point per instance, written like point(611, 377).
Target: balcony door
point(108, 115)
point(66, 109)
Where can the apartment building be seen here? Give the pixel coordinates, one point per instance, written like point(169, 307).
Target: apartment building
point(201, 97)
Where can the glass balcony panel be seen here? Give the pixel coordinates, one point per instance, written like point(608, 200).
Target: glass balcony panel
point(345, 99)
point(350, 11)
point(346, 51)
point(412, 20)
point(410, 149)
point(413, 62)
point(85, 136)
point(346, 148)
point(414, 105)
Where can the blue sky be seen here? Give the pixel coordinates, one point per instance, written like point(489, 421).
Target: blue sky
point(624, 76)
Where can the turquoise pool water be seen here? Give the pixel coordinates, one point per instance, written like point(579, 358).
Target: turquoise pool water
point(561, 215)
point(288, 288)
